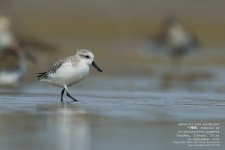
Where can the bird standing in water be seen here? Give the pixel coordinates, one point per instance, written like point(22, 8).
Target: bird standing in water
point(69, 71)
point(177, 39)
point(15, 49)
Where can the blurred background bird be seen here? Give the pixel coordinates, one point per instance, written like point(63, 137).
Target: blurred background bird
point(176, 39)
point(15, 49)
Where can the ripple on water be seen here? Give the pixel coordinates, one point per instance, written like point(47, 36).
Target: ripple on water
point(138, 105)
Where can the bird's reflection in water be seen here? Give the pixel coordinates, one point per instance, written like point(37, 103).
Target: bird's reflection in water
point(71, 129)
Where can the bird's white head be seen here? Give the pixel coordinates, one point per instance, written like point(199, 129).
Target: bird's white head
point(87, 57)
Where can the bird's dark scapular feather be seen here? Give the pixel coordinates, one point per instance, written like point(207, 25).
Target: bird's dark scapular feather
point(53, 69)
point(42, 75)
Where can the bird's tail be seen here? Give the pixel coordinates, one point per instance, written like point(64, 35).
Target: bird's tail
point(41, 75)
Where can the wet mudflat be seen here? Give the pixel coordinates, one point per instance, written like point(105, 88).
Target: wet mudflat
point(121, 115)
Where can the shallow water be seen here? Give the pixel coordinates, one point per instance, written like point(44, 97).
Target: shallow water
point(114, 112)
point(121, 115)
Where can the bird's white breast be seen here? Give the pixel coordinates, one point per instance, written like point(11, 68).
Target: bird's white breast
point(69, 74)
point(177, 36)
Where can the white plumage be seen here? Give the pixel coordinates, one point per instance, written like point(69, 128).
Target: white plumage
point(69, 71)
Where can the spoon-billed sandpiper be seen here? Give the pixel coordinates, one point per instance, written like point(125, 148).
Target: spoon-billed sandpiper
point(69, 71)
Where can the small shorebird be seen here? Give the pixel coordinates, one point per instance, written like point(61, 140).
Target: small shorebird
point(15, 50)
point(69, 71)
point(12, 66)
point(12, 59)
point(177, 39)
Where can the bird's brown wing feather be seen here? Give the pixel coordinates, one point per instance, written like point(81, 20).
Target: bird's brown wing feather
point(53, 69)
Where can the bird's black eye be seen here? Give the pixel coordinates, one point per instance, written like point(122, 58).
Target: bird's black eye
point(87, 56)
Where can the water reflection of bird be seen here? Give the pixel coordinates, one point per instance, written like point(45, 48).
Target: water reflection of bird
point(15, 49)
point(71, 128)
point(177, 39)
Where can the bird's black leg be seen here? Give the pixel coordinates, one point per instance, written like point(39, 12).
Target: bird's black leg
point(62, 95)
point(68, 94)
